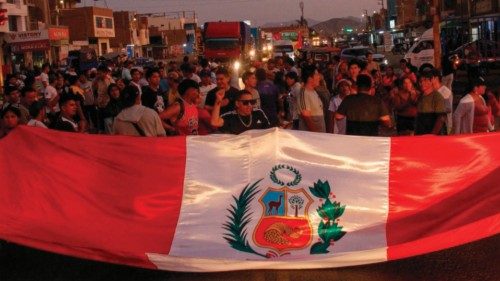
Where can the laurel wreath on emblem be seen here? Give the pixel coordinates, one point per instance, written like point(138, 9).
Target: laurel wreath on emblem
point(328, 229)
point(239, 218)
point(277, 181)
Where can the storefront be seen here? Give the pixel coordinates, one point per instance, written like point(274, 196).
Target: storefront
point(36, 47)
point(26, 48)
point(59, 43)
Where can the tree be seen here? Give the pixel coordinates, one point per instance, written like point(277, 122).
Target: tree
point(297, 202)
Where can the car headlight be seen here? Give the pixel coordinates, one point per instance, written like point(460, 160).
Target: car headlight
point(236, 65)
point(386, 61)
point(252, 53)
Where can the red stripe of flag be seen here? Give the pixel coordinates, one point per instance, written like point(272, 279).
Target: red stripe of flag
point(443, 192)
point(103, 198)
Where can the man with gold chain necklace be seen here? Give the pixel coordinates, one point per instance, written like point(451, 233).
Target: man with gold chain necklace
point(244, 118)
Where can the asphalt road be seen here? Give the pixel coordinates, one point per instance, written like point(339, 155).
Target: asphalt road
point(475, 261)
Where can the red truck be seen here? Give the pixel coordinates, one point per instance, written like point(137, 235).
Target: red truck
point(227, 41)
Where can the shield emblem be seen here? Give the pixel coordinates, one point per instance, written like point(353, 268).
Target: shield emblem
point(284, 224)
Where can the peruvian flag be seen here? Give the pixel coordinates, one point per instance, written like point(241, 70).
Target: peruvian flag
point(273, 199)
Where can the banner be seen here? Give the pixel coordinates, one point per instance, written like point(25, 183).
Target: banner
point(273, 199)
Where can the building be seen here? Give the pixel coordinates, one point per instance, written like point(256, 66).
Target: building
point(405, 12)
point(464, 21)
point(89, 26)
point(39, 18)
point(130, 34)
point(299, 35)
point(171, 34)
point(14, 19)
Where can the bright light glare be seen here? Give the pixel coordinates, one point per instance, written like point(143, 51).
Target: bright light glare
point(236, 65)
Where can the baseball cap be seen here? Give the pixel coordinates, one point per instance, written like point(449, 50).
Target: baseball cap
point(479, 82)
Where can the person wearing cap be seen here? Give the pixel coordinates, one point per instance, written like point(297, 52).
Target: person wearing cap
point(472, 113)
point(431, 109)
point(343, 89)
point(363, 111)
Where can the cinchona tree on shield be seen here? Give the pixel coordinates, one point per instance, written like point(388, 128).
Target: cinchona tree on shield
point(296, 202)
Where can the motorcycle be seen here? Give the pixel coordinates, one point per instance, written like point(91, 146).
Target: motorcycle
point(400, 49)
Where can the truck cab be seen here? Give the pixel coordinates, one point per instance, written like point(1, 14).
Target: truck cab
point(281, 47)
point(422, 51)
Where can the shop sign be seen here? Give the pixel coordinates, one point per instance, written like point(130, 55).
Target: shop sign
point(58, 33)
point(483, 7)
point(22, 47)
point(292, 36)
point(26, 36)
point(59, 43)
point(104, 32)
point(81, 42)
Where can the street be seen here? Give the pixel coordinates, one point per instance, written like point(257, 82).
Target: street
point(474, 261)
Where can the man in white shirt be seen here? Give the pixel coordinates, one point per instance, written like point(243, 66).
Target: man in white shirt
point(37, 113)
point(188, 72)
point(250, 82)
point(309, 104)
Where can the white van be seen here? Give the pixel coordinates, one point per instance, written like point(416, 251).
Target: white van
point(283, 46)
point(422, 51)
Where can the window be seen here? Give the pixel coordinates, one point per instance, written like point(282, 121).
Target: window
point(109, 23)
point(13, 23)
point(224, 44)
point(99, 22)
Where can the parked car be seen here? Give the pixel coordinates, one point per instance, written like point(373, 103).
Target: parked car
point(479, 52)
point(359, 53)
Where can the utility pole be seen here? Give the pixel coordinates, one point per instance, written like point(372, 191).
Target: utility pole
point(301, 6)
point(436, 20)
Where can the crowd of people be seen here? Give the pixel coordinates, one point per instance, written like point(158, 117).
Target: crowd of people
point(200, 98)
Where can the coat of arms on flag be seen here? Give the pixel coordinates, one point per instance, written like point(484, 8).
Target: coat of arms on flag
point(284, 225)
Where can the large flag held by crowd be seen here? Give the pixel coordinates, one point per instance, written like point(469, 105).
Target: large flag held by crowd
point(274, 199)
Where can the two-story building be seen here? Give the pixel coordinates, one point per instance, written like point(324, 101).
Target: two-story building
point(15, 19)
point(89, 26)
point(131, 33)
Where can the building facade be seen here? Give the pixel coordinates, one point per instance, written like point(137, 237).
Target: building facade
point(89, 26)
point(16, 19)
point(130, 34)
